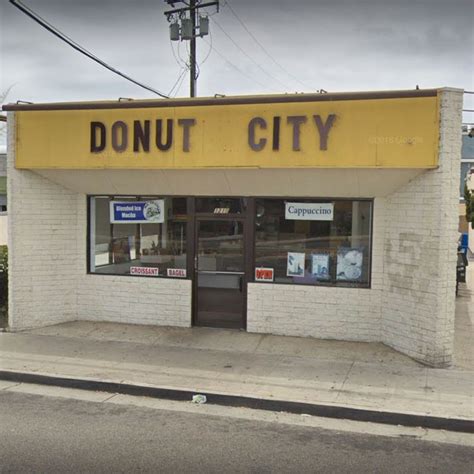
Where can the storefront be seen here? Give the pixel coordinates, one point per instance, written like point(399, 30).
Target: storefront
point(330, 216)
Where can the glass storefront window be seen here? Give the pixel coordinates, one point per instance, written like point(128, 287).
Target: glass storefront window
point(123, 247)
point(306, 241)
point(297, 241)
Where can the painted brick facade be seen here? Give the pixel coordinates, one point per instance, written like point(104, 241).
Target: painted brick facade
point(154, 301)
point(420, 251)
point(410, 305)
point(42, 240)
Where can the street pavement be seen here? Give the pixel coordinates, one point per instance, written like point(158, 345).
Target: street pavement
point(49, 434)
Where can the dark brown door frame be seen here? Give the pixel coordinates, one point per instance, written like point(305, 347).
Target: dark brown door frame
point(249, 249)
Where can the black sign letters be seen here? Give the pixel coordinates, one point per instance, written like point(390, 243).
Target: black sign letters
point(139, 135)
point(257, 139)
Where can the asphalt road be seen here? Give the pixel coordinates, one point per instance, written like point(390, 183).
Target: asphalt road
point(47, 434)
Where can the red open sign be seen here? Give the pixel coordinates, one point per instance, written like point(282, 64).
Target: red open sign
point(264, 274)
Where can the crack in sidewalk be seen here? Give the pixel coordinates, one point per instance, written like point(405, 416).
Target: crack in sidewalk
point(345, 380)
point(12, 386)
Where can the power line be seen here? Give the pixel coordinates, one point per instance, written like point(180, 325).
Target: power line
point(227, 3)
point(248, 56)
point(180, 75)
point(178, 58)
point(33, 15)
point(210, 49)
point(184, 25)
point(176, 92)
point(184, 67)
point(237, 68)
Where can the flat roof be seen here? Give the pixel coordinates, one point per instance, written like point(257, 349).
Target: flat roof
point(225, 100)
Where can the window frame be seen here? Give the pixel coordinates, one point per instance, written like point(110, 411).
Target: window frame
point(342, 284)
point(89, 198)
point(249, 218)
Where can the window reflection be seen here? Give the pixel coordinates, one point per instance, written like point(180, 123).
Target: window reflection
point(333, 251)
point(121, 248)
point(221, 246)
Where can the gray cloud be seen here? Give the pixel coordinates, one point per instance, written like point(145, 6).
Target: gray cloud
point(336, 45)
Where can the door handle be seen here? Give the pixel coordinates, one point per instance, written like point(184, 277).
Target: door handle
point(241, 283)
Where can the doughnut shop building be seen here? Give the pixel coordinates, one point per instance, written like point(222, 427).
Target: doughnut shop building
point(330, 216)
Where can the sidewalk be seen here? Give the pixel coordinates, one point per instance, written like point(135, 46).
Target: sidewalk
point(364, 376)
point(464, 324)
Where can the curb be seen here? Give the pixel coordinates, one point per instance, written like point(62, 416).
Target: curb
point(327, 411)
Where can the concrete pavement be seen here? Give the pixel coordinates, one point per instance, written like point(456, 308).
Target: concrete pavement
point(361, 376)
point(111, 433)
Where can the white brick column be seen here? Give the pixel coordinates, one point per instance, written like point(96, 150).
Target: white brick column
point(42, 246)
point(420, 251)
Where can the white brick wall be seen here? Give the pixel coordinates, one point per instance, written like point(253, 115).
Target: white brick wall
point(42, 241)
point(328, 313)
point(137, 300)
point(420, 251)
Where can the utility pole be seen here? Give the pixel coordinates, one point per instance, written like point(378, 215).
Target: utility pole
point(183, 28)
point(192, 52)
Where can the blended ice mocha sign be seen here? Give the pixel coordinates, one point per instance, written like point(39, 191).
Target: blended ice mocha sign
point(137, 212)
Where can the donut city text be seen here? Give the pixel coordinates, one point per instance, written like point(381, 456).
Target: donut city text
point(163, 134)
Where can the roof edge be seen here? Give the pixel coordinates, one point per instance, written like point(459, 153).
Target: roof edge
point(230, 100)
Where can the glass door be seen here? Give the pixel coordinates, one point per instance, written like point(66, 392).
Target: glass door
point(220, 273)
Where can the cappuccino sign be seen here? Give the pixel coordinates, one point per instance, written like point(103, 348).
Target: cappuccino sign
point(309, 211)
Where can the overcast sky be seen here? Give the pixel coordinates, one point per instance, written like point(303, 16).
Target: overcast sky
point(337, 45)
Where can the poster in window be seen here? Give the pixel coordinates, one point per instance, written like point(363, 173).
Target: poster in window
point(295, 264)
point(349, 264)
point(320, 266)
point(137, 212)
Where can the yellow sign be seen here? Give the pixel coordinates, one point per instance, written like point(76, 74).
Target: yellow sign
point(369, 133)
